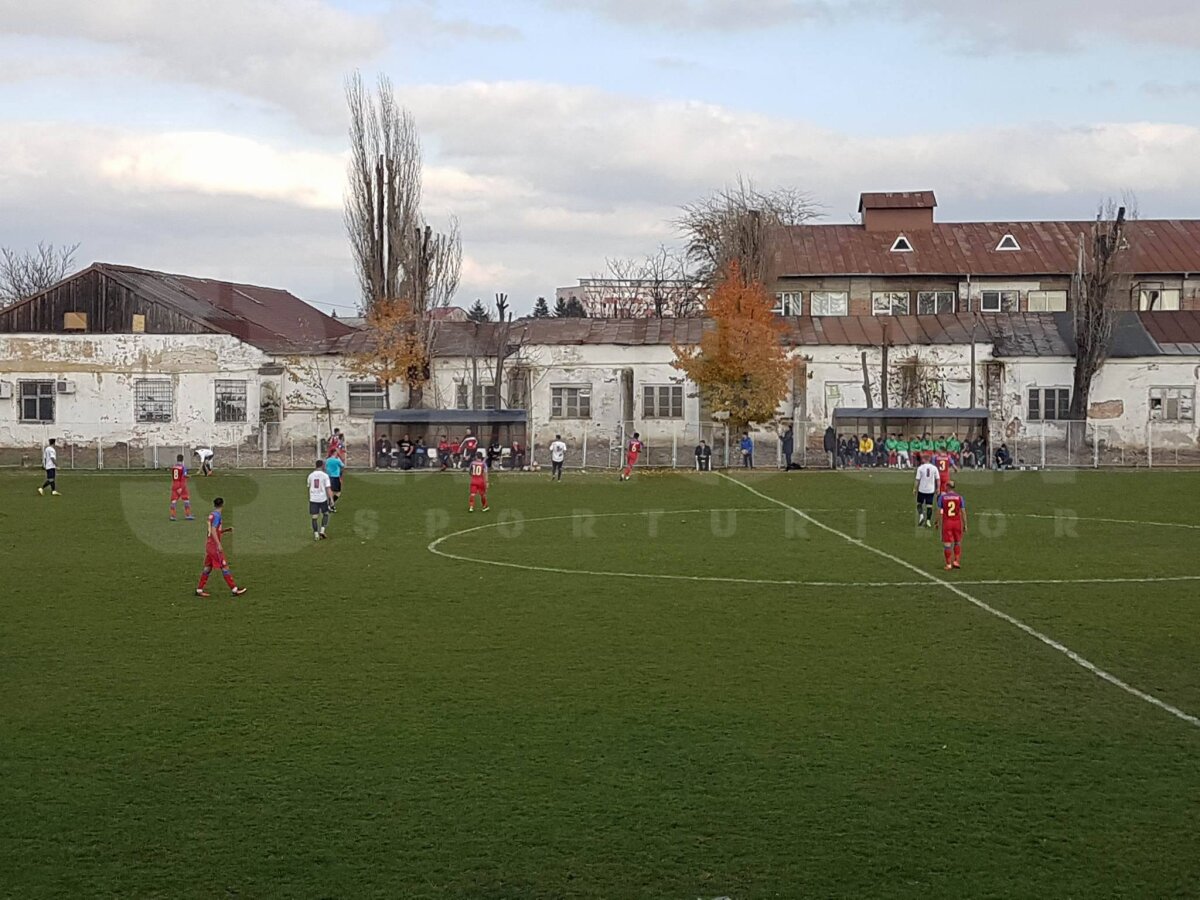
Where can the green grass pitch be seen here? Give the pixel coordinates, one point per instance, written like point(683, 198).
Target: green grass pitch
point(673, 687)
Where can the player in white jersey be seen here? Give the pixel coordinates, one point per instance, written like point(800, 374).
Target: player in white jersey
point(205, 456)
point(50, 464)
point(925, 487)
point(558, 455)
point(320, 496)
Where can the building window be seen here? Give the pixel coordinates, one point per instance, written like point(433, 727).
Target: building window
point(153, 400)
point(932, 303)
point(1008, 242)
point(788, 303)
point(230, 401)
point(902, 245)
point(999, 301)
point(1172, 404)
point(662, 401)
point(1049, 404)
point(36, 401)
point(366, 397)
point(829, 303)
point(889, 303)
point(1047, 301)
point(1158, 299)
point(570, 401)
point(482, 397)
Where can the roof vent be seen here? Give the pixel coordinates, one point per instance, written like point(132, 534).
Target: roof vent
point(902, 245)
point(1008, 242)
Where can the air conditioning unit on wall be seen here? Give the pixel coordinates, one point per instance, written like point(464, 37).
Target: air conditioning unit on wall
point(66, 387)
point(6, 390)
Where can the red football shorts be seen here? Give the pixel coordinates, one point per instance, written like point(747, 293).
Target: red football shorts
point(180, 492)
point(214, 558)
point(631, 459)
point(478, 487)
point(952, 532)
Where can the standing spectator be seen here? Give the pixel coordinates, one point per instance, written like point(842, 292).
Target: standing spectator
point(380, 451)
point(829, 443)
point(703, 457)
point(747, 447)
point(788, 446)
point(518, 456)
point(50, 465)
point(558, 456)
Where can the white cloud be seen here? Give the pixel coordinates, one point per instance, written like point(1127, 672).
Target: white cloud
point(546, 180)
point(719, 15)
point(292, 54)
point(1039, 25)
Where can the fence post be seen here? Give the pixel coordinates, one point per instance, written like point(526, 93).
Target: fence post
point(292, 450)
point(727, 446)
point(1149, 446)
point(1043, 444)
point(674, 447)
point(262, 439)
point(583, 464)
point(72, 455)
point(1095, 448)
point(99, 452)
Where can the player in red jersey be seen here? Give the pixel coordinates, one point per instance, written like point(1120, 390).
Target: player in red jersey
point(631, 456)
point(337, 445)
point(952, 514)
point(479, 480)
point(214, 555)
point(944, 463)
point(179, 489)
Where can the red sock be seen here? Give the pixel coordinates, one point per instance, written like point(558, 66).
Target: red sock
point(948, 555)
point(203, 581)
point(483, 499)
point(172, 509)
point(957, 552)
point(229, 579)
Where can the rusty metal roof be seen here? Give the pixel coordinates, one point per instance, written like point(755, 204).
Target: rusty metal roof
point(969, 248)
point(1176, 333)
point(271, 319)
point(896, 200)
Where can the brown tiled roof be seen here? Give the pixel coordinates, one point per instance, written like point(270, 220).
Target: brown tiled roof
point(969, 248)
point(268, 318)
point(896, 200)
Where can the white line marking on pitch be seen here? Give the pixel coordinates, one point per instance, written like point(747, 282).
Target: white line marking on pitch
point(974, 601)
point(435, 548)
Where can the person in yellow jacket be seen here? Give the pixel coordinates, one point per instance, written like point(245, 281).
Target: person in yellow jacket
point(866, 447)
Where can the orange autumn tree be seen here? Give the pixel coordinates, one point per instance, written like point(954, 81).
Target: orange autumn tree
point(393, 350)
point(740, 366)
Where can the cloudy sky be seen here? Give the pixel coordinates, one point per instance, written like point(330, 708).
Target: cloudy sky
point(209, 137)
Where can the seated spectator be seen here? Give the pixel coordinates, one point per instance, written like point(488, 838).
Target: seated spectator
point(954, 448)
point(421, 453)
point(1003, 457)
point(901, 452)
point(494, 452)
point(847, 451)
point(703, 457)
point(443, 452)
point(517, 460)
point(866, 449)
point(455, 453)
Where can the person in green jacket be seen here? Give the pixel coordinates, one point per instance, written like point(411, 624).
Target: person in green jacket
point(940, 444)
point(901, 451)
point(890, 446)
point(954, 445)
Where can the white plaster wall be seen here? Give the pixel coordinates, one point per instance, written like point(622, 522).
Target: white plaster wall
point(103, 369)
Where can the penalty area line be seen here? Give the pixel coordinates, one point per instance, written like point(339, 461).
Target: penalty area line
point(1080, 661)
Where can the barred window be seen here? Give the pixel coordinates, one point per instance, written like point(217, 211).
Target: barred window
point(570, 401)
point(230, 401)
point(153, 400)
point(662, 401)
point(366, 397)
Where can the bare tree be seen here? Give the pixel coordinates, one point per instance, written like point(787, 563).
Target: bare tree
point(1096, 291)
point(23, 274)
point(667, 285)
point(312, 377)
point(383, 199)
point(432, 284)
point(732, 225)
